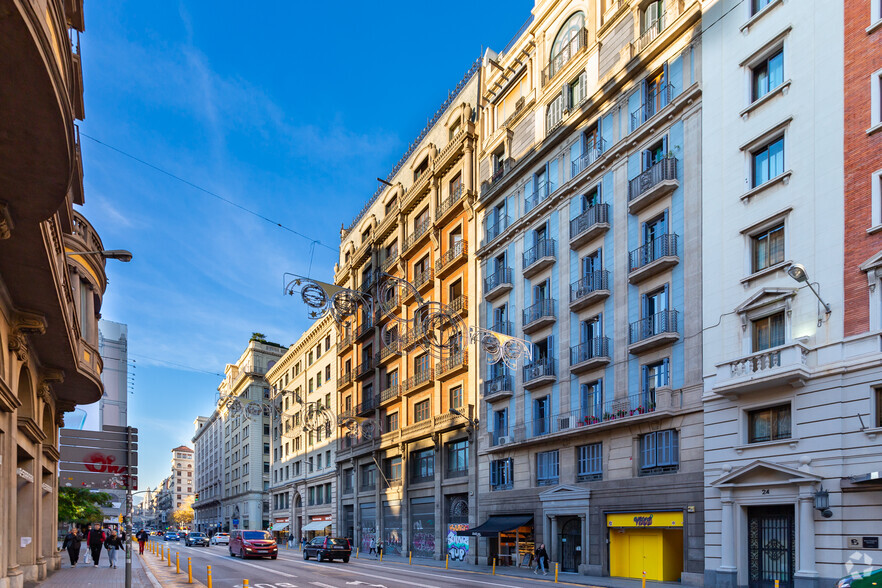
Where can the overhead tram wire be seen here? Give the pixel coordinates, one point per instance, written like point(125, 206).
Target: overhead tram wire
point(209, 192)
point(180, 365)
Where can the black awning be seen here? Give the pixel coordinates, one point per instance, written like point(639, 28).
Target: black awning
point(497, 524)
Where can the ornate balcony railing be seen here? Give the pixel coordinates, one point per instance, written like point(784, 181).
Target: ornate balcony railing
point(544, 248)
point(459, 304)
point(494, 230)
point(539, 195)
point(592, 153)
point(661, 322)
point(364, 327)
point(453, 361)
point(611, 410)
point(498, 384)
point(393, 348)
point(365, 367)
point(661, 246)
point(367, 405)
point(655, 102)
point(459, 249)
point(388, 306)
point(599, 213)
point(564, 56)
point(393, 391)
point(419, 231)
point(344, 380)
point(389, 262)
point(450, 201)
point(592, 349)
point(541, 309)
point(663, 169)
point(596, 280)
point(419, 378)
point(422, 278)
point(503, 327)
point(499, 277)
point(653, 30)
point(542, 367)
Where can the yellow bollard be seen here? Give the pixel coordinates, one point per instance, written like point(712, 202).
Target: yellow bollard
point(245, 583)
point(446, 561)
point(209, 577)
point(169, 556)
point(381, 557)
point(644, 579)
point(555, 572)
point(189, 571)
point(410, 558)
point(777, 583)
point(356, 552)
point(494, 566)
point(177, 563)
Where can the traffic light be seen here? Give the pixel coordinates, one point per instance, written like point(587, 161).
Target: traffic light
point(197, 498)
point(120, 518)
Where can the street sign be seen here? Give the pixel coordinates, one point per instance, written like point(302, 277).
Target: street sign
point(111, 457)
point(91, 468)
point(70, 435)
point(95, 481)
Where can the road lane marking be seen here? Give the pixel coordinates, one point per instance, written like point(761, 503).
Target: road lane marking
point(245, 563)
point(322, 585)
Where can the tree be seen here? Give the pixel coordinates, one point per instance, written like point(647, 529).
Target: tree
point(82, 506)
point(184, 515)
point(259, 337)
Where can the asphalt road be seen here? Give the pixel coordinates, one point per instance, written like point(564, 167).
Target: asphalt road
point(290, 571)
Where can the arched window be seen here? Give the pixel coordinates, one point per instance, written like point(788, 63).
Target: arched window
point(570, 38)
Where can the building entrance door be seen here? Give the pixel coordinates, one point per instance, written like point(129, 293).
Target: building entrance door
point(770, 548)
point(571, 545)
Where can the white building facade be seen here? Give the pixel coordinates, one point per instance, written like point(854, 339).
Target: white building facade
point(784, 390)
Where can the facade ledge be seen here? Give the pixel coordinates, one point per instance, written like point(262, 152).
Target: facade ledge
point(540, 381)
point(780, 90)
point(8, 401)
point(595, 230)
point(496, 292)
point(589, 364)
point(652, 195)
point(875, 128)
point(783, 178)
point(872, 432)
point(874, 27)
point(653, 268)
point(874, 230)
point(498, 396)
point(779, 366)
point(32, 431)
point(660, 340)
point(792, 442)
point(764, 272)
point(538, 323)
point(539, 265)
point(588, 299)
point(745, 28)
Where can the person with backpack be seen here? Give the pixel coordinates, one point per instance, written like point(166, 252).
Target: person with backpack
point(143, 538)
point(72, 542)
point(113, 544)
point(541, 560)
point(95, 540)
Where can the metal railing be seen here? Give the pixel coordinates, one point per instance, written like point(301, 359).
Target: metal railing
point(544, 248)
point(542, 367)
point(599, 213)
point(389, 262)
point(650, 33)
point(539, 195)
point(344, 380)
point(346, 338)
point(367, 324)
point(388, 305)
point(517, 36)
point(655, 102)
point(542, 309)
point(393, 391)
point(453, 361)
point(418, 232)
point(592, 154)
point(367, 405)
point(422, 278)
point(611, 410)
point(591, 349)
point(459, 304)
point(661, 322)
point(459, 249)
point(419, 378)
point(564, 56)
point(496, 279)
point(663, 169)
point(450, 201)
point(494, 230)
point(596, 280)
point(498, 384)
point(661, 246)
point(393, 348)
point(364, 367)
point(502, 327)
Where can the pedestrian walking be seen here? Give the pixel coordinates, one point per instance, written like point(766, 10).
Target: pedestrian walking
point(541, 560)
point(72, 542)
point(372, 546)
point(113, 544)
point(143, 538)
point(95, 540)
point(379, 550)
point(302, 542)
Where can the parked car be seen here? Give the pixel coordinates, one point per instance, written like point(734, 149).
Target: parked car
point(863, 580)
point(172, 536)
point(328, 548)
point(220, 538)
point(194, 538)
point(253, 544)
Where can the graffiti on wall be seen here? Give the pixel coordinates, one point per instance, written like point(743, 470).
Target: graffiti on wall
point(457, 546)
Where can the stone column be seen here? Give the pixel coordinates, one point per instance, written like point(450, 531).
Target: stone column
point(806, 534)
point(467, 167)
point(728, 571)
point(583, 524)
point(551, 544)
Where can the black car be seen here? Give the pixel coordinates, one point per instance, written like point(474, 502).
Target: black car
point(328, 548)
point(196, 539)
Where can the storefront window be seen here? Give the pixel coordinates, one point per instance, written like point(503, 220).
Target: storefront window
point(392, 527)
point(423, 526)
point(367, 513)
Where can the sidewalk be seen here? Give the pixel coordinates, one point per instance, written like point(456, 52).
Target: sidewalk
point(570, 578)
point(88, 575)
point(165, 575)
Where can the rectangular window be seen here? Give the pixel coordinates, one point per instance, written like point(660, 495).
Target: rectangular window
point(589, 460)
point(501, 474)
point(878, 393)
point(768, 74)
point(327, 342)
point(768, 424)
point(757, 5)
point(458, 458)
point(768, 248)
point(547, 468)
point(541, 416)
point(421, 411)
point(655, 375)
point(768, 332)
point(768, 162)
point(659, 452)
point(423, 468)
point(391, 422)
point(393, 469)
point(368, 476)
point(456, 397)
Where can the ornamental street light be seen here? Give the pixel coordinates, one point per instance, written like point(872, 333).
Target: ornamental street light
point(119, 254)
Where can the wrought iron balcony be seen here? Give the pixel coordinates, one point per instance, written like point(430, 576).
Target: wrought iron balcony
point(456, 360)
point(502, 168)
point(651, 32)
point(539, 195)
point(589, 225)
point(498, 283)
point(564, 56)
point(592, 154)
point(345, 340)
point(389, 263)
point(459, 252)
point(344, 380)
point(388, 306)
point(423, 278)
point(365, 368)
point(654, 104)
point(494, 230)
point(498, 388)
point(541, 371)
point(420, 231)
point(449, 203)
point(503, 327)
point(419, 379)
point(660, 179)
point(539, 257)
point(589, 289)
point(391, 349)
point(589, 355)
point(366, 406)
point(459, 305)
point(390, 393)
point(654, 331)
point(653, 257)
point(366, 326)
point(541, 314)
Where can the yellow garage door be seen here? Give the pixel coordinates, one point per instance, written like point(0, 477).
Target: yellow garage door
point(633, 551)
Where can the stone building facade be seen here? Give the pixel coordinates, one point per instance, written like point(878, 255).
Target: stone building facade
point(208, 443)
point(52, 277)
point(403, 472)
point(590, 211)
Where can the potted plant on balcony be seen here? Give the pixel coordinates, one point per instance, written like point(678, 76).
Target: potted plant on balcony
point(621, 413)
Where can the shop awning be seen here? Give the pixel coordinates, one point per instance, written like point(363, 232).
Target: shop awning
point(280, 526)
point(497, 524)
point(317, 526)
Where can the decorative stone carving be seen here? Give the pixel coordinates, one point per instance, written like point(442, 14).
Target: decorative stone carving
point(44, 392)
point(25, 323)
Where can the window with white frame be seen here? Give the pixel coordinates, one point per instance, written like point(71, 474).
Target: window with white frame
point(876, 95)
point(767, 248)
point(768, 332)
point(768, 74)
point(758, 5)
point(554, 116)
point(769, 424)
point(767, 161)
point(876, 195)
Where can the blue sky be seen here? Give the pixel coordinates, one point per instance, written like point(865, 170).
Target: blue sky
point(291, 110)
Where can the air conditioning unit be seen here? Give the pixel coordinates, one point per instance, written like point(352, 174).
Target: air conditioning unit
point(505, 440)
